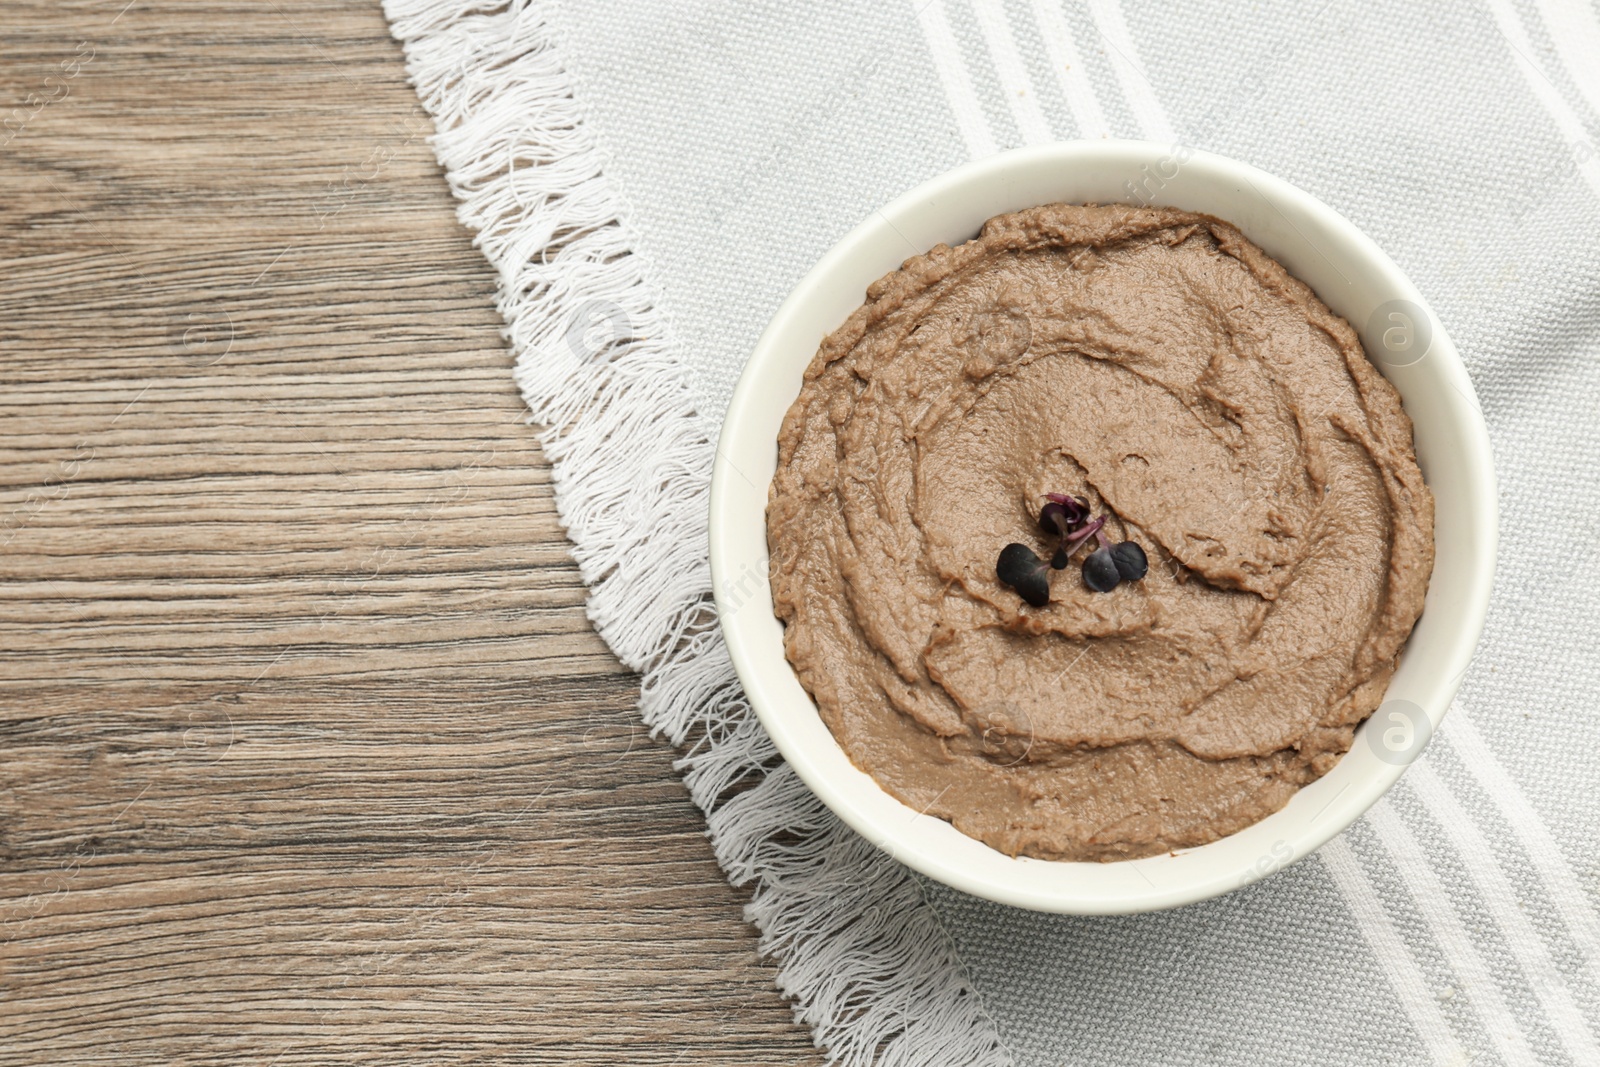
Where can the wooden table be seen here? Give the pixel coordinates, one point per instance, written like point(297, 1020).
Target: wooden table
point(309, 753)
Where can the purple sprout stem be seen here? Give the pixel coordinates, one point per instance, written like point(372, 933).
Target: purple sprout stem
point(1071, 541)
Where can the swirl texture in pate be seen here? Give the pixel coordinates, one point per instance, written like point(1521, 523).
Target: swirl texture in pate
point(1157, 363)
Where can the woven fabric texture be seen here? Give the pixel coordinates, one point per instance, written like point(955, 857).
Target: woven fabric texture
point(1457, 923)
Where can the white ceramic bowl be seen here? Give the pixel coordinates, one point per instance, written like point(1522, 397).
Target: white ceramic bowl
point(1351, 274)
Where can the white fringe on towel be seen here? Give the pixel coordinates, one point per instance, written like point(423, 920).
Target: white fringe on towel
point(861, 952)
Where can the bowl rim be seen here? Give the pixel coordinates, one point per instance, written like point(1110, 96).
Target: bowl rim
point(1093, 888)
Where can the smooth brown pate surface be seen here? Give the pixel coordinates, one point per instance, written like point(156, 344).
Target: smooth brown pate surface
point(1159, 364)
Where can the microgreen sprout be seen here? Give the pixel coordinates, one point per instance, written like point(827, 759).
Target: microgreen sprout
point(1067, 518)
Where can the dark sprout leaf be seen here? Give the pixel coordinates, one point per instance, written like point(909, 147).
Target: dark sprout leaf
point(1025, 572)
point(1130, 560)
point(1074, 509)
point(1059, 560)
point(1100, 571)
point(1054, 518)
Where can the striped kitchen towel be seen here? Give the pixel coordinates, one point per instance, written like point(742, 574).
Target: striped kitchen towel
point(650, 179)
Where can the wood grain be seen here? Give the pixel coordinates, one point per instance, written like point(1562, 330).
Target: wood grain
point(309, 753)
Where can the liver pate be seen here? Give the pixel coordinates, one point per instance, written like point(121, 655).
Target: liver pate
point(1160, 365)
